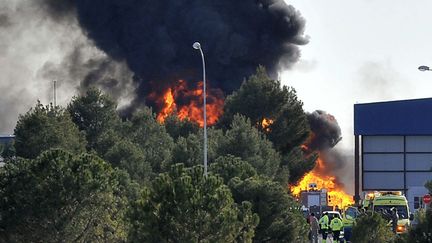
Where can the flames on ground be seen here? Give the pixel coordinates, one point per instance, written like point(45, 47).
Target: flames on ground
point(187, 103)
point(319, 176)
point(325, 135)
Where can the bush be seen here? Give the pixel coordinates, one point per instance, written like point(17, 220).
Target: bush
point(372, 227)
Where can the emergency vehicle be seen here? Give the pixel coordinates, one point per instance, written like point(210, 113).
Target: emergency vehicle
point(384, 202)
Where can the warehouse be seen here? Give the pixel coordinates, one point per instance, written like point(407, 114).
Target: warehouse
point(393, 147)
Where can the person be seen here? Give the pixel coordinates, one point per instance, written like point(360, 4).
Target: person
point(387, 216)
point(324, 226)
point(394, 218)
point(313, 221)
point(362, 211)
point(336, 226)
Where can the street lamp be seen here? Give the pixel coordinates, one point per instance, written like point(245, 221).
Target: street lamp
point(197, 46)
point(424, 68)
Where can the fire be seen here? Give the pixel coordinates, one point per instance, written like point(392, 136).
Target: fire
point(337, 196)
point(188, 103)
point(266, 123)
point(169, 106)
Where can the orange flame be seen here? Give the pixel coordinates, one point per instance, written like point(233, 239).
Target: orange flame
point(192, 103)
point(266, 123)
point(337, 196)
point(169, 106)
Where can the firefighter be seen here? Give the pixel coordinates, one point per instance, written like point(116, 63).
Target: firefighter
point(336, 227)
point(324, 226)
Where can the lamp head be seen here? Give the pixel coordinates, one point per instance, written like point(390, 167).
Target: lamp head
point(196, 45)
point(424, 68)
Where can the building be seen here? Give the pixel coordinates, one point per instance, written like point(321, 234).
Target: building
point(393, 147)
point(4, 139)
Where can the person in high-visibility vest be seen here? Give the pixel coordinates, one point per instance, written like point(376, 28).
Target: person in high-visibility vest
point(324, 226)
point(336, 227)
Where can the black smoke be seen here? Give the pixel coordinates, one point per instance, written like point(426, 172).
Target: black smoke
point(326, 132)
point(336, 162)
point(154, 37)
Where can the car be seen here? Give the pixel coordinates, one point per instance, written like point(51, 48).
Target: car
point(331, 215)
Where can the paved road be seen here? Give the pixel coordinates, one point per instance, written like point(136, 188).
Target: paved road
point(329, 239)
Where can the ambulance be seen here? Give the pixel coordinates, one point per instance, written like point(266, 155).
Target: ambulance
point(384, 202)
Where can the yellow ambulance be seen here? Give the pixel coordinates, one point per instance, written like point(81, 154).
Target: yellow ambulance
point(384, 202)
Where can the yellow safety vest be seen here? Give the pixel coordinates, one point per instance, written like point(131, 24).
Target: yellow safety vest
point(324, 222)
point(336, 224)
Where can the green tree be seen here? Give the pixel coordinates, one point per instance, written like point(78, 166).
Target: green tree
point(46, 127)
point(372, 228)
point(188, 150)
point(428, 185)
point(287, 127)
point(422, 231)
point(261, 98)
point(291, 128)
point(246, 142)
point(229, 167)
point(180, 128)
point(184, 206)
point(93, 113)
point(7, 150)
point(61, 198)
point(298, 164)
point(257, 98)
point(128, 156)
point(151, 137)
point(280, 217)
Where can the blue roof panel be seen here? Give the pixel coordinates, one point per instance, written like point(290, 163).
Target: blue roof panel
point(402, 117)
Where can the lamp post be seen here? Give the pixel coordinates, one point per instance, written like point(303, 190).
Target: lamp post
point(424, 68)
point(197, 46)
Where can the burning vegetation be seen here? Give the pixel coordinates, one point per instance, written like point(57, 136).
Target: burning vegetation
point(187, 103)
point(266, 123)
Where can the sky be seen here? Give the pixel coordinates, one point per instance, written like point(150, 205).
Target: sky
point(361, 51)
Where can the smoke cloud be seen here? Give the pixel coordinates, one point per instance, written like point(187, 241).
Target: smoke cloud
point(154, 38)
point(41, 41)
point(336, 162)
point(133, 48)
point(326, 132)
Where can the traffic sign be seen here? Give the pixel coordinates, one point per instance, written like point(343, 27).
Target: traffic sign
point(427, 198)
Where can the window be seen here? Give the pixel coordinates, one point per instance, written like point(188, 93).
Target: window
point(418, 202)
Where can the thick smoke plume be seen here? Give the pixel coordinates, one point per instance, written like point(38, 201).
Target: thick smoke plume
point(326, 132)
point(42, 41)
point(154, 38)
point(131, 49)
